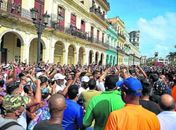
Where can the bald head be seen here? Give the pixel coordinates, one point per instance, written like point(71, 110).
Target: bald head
point(57, 103)
point(167, 102)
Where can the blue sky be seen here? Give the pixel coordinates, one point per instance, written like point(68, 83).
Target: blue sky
point(156, 20)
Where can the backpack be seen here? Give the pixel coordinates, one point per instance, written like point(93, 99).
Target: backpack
point(8, 125)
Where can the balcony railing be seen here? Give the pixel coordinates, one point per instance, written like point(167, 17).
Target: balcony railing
point(121, 35)
point(71, 30)
point(14, 9)
point(107, 3)
point(97, 12)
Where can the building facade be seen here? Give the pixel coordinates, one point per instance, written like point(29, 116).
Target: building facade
point(111, 52)
point(75, 33)
point(120, 26)
point(134, 39)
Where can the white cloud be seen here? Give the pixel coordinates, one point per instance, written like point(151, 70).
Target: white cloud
point(158, 34)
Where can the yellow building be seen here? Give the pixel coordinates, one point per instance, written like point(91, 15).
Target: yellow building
point(120, 26)
point(75, 33)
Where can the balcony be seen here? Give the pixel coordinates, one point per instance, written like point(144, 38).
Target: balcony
point(106, 44)
point(97, 12)
point(71, 31)
point(119, 49)
point(104, 3)
point(122, 36)
point(10, 9)
point(95, 40)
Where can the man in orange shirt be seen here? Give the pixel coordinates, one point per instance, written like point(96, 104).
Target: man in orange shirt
point(132, 116)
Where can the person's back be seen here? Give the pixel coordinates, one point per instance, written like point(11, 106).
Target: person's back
point(100, 106)
point(151, 106)
point(56, 106)
point(45, 125)
point(86, 96)
point(15, 125)
point(132, 117)
point(167, 117)
point(73, 114)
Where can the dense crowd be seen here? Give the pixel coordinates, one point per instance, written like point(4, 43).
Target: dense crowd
point(67, 97)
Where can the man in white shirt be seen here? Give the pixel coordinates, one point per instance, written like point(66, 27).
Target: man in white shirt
point(167, 117)
point(60, 82)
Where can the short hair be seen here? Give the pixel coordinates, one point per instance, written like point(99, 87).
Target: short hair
point(11, 87)
point(72, 91)
point(147, 87)
point(92, 84)
point(110, 81)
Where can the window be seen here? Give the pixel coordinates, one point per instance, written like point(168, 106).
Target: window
point(92, 31)
point(102, 37)
point(82, 1)
point(98, 33)
point(73, 20)
point(83, 25)
point(15, 6)
point(38, 4)
point(61, 16)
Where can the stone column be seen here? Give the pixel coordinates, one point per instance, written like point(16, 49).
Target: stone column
point(86, 57)
point(25, 53)
point(76, 55)
point(65, 54)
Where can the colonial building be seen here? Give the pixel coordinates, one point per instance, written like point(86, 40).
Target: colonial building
point(120, 26)
point(111, 52)
point(75, 33)
point(135, 56)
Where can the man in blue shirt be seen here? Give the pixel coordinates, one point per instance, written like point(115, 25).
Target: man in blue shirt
point(73, 114)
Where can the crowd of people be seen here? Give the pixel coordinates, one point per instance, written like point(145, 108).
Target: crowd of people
point(90, 97)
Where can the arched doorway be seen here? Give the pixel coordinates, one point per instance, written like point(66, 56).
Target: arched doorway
point(58, 52)
point(101, 59)
point(71, 56)
point(81, 55)
point(96, 57)
point(90, 56)
point(33, 51)
point(11, 43)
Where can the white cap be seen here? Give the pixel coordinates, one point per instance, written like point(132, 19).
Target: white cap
point(58, 76)
point(39, 74)
point(85, 79)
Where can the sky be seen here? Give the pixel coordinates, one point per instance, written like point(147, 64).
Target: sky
point(155, 19)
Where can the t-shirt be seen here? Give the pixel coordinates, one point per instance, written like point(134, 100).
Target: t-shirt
point(132, 117)
point(151, 106)
point(73, 116)
point(174, 92)
point(4, 121)
point(167, 120)
point(44, 125)
point(100, 107)
point(86, 96)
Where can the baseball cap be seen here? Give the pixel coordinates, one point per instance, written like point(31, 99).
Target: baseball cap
point(58, 76)
point(85, 79)
point(132, 85)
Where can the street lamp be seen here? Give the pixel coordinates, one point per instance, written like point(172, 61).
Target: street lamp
point(40, 20)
